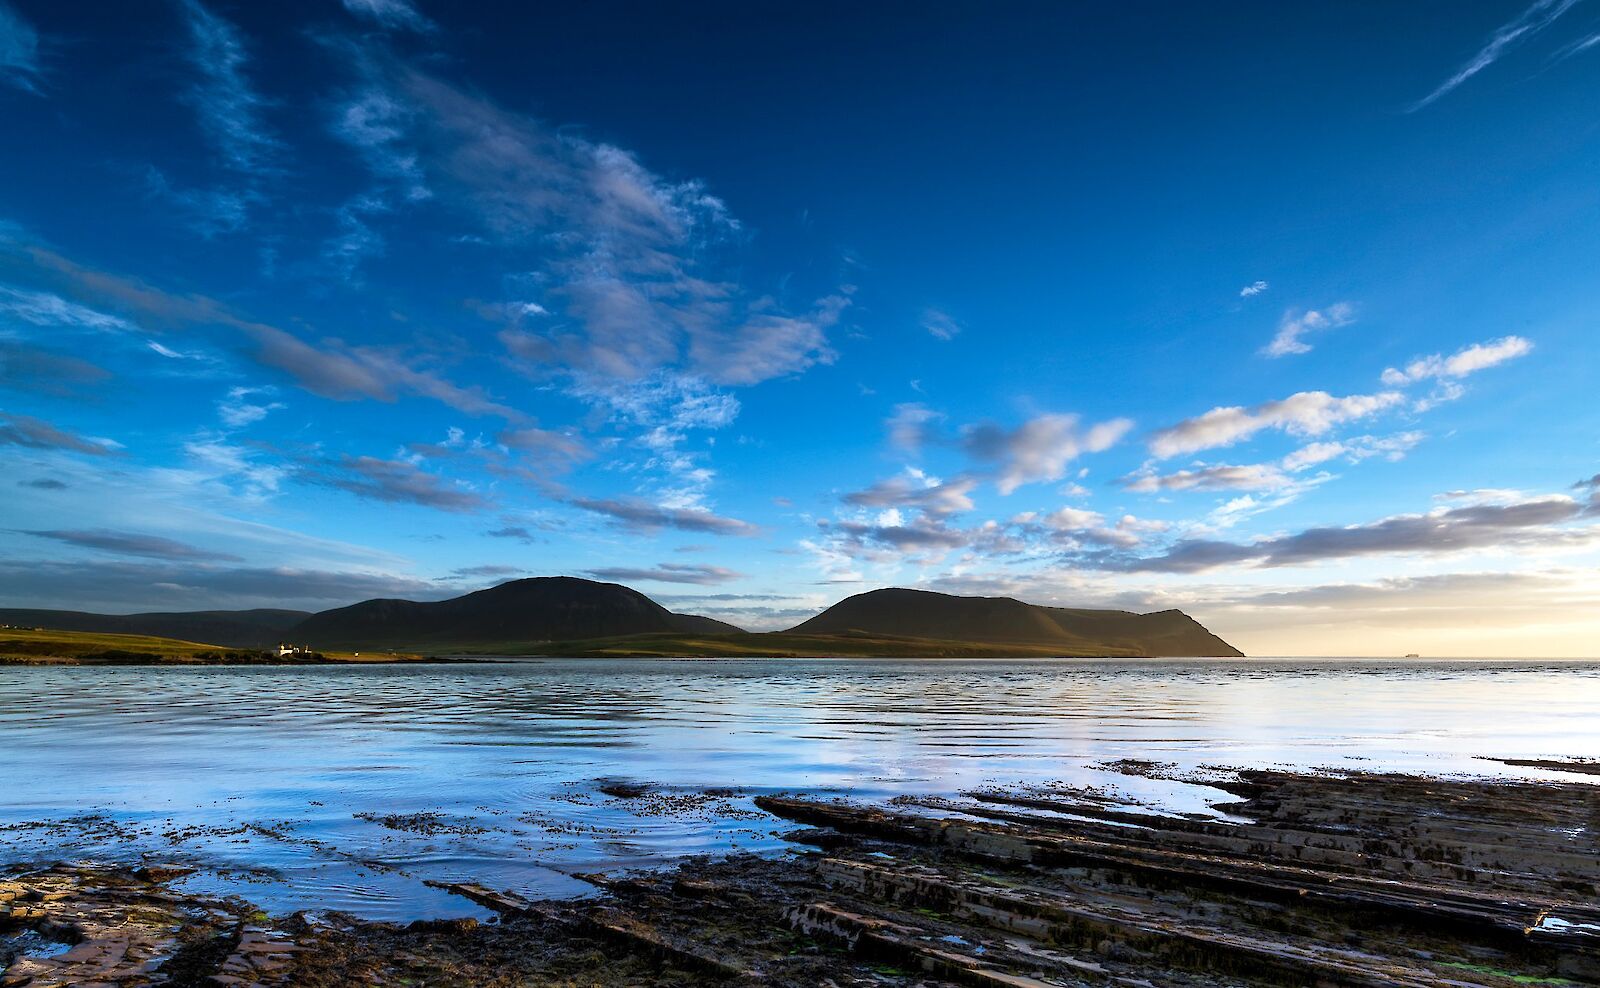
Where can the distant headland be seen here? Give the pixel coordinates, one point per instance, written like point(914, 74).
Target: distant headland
point(567, 616)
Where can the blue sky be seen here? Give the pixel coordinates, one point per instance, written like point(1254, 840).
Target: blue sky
point(1282, 316)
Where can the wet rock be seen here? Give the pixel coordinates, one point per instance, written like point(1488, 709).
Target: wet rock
point(1351, 880)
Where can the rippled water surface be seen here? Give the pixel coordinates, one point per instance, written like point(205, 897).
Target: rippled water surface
point(301, 788)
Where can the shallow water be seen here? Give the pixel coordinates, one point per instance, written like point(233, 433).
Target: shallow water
point(278, 780)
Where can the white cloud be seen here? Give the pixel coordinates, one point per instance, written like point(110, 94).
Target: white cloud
point(914, 489)
point(1219, 477)
point(766, 345)
point(1253, 289)
point(1040, 448)
point(1307, 413)
point(836, 565)
point(1358, 448)
point(1077, 527)
point(1467, 360)
point(238, 410)
point(1073, 519)
point(911, 426)
point(1295, 325)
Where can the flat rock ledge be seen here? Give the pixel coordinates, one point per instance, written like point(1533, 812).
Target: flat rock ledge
point(1311, 879)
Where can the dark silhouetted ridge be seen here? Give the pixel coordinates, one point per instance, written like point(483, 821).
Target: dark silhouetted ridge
point(234, 629)
point(923, 614)
point(540, 609)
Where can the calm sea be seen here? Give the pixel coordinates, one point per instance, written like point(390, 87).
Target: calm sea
point(347, 787)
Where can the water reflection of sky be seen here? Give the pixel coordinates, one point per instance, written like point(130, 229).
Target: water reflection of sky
point(241, 768)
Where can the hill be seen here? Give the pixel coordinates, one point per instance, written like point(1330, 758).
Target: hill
point(230, 629)
point(573, 617)
point(518, 613)
point(923, 614)
point(784, 645)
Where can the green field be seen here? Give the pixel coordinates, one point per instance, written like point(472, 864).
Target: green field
point(19, 646)
point(780, 645)
point(44, 647)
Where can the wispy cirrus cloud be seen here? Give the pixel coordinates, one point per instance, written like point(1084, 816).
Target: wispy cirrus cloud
point(391, 14)
point(644, 515)
point(376, 123)
point(940, 324)
point(1577, 47)
point(27, 368)
point(228, 105)
point(187, 585)
point(692, 573)
point(19, 50)
point(558, 450)
point(132, 544)
point(47, 309)
point(1538, 16)
point(396, 482)
point(1253, 289)
point(1276, 476)
point(230, 114)
point(1534, 522)
point(31, 433)
point(1294, 326)
point(330, 369)
point(487, 571)
point(634, 261)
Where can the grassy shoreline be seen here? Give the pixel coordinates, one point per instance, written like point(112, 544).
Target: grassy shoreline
point(37, 647)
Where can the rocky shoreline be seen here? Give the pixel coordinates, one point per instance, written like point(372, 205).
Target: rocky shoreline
point(1316, 879)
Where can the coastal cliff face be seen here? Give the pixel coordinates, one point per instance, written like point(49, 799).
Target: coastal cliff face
point(541, 609)
point(923, 614)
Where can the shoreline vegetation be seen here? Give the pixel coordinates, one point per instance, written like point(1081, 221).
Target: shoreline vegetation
point(1357, 879)
point(47, 647)
point(41, 646)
